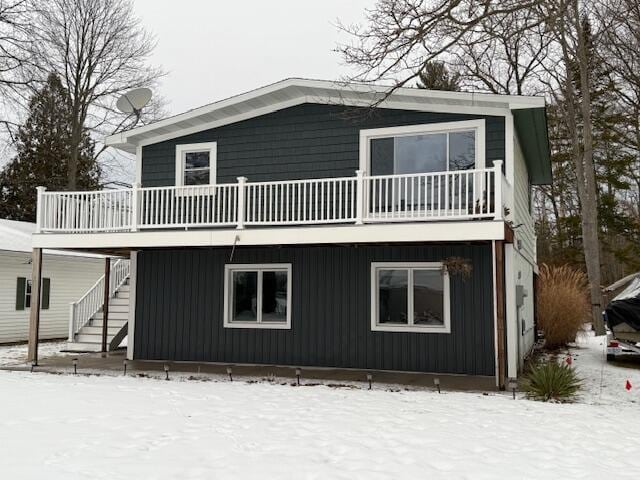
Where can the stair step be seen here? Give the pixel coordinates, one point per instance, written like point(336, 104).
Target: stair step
point(118, 307)
point(97, 330)
point(111, 323)
point(121, 294)
point(124, 288)
point(118, 301)
point(91, 338)
point(113, 315)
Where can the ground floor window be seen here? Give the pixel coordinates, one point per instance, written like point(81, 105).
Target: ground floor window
point(257, 296)
point(410, 297)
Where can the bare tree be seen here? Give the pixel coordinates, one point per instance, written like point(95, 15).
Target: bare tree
point(534, 39)
point(16, 49)
point(100, 50)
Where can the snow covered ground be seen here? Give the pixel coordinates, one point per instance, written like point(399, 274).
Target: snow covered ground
point(76, 427)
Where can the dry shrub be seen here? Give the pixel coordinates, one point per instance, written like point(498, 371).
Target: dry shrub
point(562, 303)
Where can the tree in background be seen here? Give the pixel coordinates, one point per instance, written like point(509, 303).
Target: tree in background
point(100, 50)
point(436, 76)
point(44, 151)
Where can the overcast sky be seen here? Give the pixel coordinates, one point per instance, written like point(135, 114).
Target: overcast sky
point(215, 49)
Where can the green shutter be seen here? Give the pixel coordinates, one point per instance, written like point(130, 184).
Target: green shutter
point(20, 291)
point(46, 287)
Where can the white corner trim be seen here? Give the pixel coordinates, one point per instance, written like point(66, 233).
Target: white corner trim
point(133, 282)
point(229, 268)
point(426, 128)
point(377, 327)
point(138, 165)
point(182, 149)
point(495, 311)
point(511, 312)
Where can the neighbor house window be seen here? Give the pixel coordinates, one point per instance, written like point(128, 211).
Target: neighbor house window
point(257, 296)
point(437, 147)
point(410, 297)
point(196, 164)
point(24, 296)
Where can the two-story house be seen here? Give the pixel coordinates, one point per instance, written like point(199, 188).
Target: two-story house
point(299, 225)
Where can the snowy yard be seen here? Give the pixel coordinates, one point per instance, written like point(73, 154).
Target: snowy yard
point(76, 427)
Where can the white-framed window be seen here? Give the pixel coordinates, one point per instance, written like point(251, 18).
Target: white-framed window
point(410, 297)
point(196, 164)
point(434, 147)
point(257, 296)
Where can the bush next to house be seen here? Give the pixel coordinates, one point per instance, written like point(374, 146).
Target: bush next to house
point(551, 380)
point(562, 304)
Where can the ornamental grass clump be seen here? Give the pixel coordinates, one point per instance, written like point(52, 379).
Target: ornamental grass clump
point(562, 303)
point(551, 380)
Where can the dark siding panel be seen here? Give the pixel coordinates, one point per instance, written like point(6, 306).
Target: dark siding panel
point(180, 309)
point(305, 141)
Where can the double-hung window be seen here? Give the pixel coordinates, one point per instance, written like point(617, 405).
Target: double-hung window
point(257, 296)
point(196, 164)
point(410, 297)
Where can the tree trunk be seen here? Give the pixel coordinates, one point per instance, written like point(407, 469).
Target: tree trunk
point(586, 180)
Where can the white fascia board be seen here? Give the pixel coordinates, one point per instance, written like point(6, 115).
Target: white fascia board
point(291, 92)
point(388, 233)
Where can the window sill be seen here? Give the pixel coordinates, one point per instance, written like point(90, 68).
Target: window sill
point(411, 328)
point(255, 325)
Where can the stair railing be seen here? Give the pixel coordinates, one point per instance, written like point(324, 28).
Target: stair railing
point(81, 311)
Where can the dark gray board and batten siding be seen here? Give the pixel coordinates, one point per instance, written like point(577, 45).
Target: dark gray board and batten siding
point(305, 141)
point(179, 310)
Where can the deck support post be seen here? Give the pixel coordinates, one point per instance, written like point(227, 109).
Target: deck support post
point(105, 302)
point(241, 195)
point(34, 314)
point(500, 312)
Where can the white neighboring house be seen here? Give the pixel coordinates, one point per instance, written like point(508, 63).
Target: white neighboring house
point(66, 277)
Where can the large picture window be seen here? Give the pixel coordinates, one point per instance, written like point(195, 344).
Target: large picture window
point(257, 296)
point(196, 164)
point(410, 297)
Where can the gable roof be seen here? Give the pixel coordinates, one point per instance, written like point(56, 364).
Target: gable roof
point(15, 236)
point(296, 91)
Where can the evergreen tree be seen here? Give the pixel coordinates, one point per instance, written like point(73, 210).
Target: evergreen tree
point(436, 76)
point(43, 152)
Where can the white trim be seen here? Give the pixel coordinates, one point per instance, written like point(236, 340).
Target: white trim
point(447, 231)
point(133, 283)
point(229, 268)
point(410, 267)
point(183, 149)
point(138, 165)
point(319, 91)
point(426, 128)
point(511, 311)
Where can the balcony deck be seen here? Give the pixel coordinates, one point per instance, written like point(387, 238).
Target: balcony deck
point(300, 206)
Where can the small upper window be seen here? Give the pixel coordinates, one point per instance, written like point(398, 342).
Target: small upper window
point(195, 164)
point(258, 296)
point(410, 297)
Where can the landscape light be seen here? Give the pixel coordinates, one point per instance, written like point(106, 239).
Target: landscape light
point(230, 373)
point(124, 364)
point(298, 373)
point(166, 370)
point(75, 366)
point(436, 382)
point(34, 364)
point(369, 379)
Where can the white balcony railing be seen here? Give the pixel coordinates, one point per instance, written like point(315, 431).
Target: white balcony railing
point(455, 195)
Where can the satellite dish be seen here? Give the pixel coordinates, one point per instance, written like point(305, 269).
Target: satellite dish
point(133, 101)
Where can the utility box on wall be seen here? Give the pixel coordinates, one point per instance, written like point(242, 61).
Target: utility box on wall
point(521, 294)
